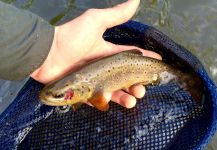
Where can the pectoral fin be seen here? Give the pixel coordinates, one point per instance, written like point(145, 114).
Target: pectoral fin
point(99, 101)
point(76, 106)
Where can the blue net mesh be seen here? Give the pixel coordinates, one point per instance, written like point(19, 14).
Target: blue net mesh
point(166, 118)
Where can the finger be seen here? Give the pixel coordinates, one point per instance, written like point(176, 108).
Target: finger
point(107, 96)
point(151, 54)
point(114, 48)
point(124, 99)
point(119, 14)
point(137, 90)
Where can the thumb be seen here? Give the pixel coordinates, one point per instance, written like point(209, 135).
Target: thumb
point(113, 49)
point(119, 14)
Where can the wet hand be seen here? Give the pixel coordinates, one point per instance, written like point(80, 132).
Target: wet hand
point(80, 41)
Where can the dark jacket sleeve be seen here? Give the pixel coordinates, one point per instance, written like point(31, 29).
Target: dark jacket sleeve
point(25, 41)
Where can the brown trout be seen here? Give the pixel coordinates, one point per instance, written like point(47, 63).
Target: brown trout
point(113, 73)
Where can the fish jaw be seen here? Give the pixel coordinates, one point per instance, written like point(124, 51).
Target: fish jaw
point(49, 99)
point(54, 101)
point(65, 97)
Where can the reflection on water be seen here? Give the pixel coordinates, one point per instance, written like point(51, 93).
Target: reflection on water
point(190, 23)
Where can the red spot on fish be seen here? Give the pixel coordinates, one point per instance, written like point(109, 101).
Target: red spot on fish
point(69, 94)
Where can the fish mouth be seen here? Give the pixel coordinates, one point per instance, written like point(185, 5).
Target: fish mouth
point(53, 99)
point(58, 96)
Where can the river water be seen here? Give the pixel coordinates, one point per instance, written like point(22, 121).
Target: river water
point(192, 24)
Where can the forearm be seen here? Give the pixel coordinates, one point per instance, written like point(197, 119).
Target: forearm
point(25, 41)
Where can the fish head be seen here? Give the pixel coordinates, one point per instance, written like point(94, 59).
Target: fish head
point(67, 94)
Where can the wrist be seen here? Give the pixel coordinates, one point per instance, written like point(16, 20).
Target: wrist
point(48, 71)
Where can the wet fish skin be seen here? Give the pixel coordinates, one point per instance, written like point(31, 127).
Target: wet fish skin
point(107, 75)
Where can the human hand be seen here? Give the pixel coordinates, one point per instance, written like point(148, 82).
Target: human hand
point(80, 41)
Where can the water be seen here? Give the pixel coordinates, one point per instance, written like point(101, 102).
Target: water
point(190, 23)
point(152, 122)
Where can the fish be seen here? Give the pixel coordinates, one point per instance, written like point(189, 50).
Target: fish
point(112, 73)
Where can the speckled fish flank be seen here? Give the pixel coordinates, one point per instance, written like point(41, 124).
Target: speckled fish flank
point(109, 74)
